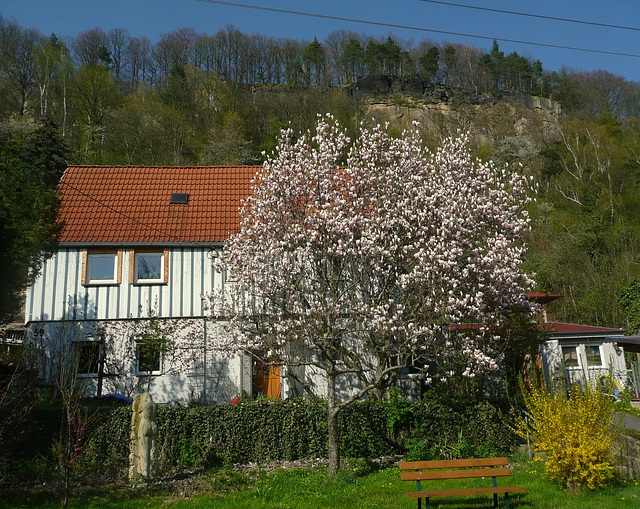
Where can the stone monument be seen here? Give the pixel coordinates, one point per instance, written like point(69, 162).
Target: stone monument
point(143, 456)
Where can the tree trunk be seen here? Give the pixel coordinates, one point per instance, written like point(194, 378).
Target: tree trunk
point(334, 442)
point(332, 426)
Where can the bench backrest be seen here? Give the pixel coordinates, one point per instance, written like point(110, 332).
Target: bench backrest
point(454, 469)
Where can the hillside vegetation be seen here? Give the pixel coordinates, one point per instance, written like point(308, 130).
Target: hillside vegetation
point(199, 99)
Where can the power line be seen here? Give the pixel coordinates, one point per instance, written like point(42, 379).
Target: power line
point(531, 15)
point(119, 212)
point(415, 28)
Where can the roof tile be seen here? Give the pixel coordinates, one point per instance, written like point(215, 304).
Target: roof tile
point(131, 204)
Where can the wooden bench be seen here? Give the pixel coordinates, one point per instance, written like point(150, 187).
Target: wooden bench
point(458, 469)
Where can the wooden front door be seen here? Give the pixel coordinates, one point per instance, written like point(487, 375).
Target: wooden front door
point(266, 379)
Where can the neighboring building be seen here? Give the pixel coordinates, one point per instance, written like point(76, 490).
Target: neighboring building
point(575, 354)
point(579, 353)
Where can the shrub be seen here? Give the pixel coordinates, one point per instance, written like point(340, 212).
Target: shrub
point(259, 431)
point(447, 427)
point(574, 430)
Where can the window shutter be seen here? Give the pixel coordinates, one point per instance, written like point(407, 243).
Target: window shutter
point(132, 266)
point(83, 275)
point(119, 268)
point(166, 266)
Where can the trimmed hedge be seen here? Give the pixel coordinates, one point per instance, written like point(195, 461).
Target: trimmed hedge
point(260, 431)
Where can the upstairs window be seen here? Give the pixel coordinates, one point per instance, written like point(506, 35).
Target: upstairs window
point(570, 356)
point(149, 267)
point(101, 268)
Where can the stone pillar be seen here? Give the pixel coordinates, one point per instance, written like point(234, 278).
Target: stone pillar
point(143, 456)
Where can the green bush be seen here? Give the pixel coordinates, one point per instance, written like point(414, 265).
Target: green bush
point(259, 431)
point(449, 428)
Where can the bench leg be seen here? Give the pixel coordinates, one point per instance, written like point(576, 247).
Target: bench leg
point(426, 501)
point(506, 501)
point(495, 500)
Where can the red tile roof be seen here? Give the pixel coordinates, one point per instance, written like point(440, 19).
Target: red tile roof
point(119, 204)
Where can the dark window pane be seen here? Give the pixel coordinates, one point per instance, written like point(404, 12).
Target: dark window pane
point(570, 356)
point(88, 354)
point(593, 356)
point(148, 358)
point(149, 266)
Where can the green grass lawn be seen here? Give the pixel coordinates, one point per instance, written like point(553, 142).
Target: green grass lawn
point(313, 488)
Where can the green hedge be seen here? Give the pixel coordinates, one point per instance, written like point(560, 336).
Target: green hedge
point(261, 431)
point(247, 432)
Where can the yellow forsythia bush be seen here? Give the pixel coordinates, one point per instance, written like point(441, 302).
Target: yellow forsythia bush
point(575, 431)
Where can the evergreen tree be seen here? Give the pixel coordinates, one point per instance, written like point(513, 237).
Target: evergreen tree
point(31, 164)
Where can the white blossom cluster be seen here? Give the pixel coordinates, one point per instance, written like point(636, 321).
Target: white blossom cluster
point(373, 245)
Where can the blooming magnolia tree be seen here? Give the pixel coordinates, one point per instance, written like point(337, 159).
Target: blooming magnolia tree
point(353, 256)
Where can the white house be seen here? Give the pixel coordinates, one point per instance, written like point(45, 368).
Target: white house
point(136, 254)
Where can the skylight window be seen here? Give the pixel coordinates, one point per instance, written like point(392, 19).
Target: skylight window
point(179, 198)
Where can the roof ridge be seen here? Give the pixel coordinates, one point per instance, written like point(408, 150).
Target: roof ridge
point(132, 166)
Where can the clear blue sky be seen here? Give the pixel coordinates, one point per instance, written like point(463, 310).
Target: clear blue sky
point(152, 18)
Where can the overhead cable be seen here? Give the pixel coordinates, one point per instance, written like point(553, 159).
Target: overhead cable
point(531, 15)
point(415, 28)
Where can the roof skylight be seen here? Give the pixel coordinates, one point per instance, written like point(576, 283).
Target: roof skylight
point(179, 198)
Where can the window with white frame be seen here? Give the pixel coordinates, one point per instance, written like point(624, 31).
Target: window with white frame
point(593, 355)
point(148, 358)
point(101, 267)
point(88, 357)
point(570, 356)
point(149, 267)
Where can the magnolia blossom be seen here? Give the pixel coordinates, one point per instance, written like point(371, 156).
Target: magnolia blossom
point(373, 244)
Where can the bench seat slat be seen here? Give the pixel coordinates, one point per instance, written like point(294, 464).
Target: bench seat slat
point(455, 474)
point(463, 463)
point(466, 491)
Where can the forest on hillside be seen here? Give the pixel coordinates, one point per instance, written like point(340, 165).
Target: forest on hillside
point(199, 99)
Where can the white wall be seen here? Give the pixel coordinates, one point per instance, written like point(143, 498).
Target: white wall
point(58, 293)
point(193, 372)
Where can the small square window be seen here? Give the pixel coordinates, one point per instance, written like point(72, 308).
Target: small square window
point(570, 356)
point(149, 267)
point(148, 359)
point(179, 198)
point(101, 268)
point(88, 357)
point(593, 355)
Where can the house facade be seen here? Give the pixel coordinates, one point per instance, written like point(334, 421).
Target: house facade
point(123, 295)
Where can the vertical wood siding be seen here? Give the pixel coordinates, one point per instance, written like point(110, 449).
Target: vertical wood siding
point(59, 294)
